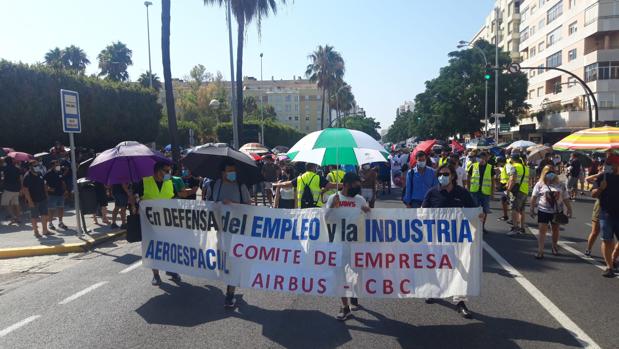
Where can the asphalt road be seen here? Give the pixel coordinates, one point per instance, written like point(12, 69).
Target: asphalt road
point(105, 300)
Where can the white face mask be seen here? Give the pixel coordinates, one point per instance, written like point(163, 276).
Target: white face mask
point(421, 164)
point(57, 168)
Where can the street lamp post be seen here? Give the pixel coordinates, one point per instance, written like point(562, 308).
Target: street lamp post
point(150, 69)
point(462, 44)
point(235, 122)
point(496, 74)
point(261, 105)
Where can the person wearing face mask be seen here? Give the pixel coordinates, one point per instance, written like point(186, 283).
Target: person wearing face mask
point(56, 189)
point(159, 186)
point(549, 196)
point(35, 191)
point(229, 190)
point(419, 180)
point(607, 191)
point(449, 194)
point(481, 184)
point(595, 214)
point(12, 187)
point(348, 197)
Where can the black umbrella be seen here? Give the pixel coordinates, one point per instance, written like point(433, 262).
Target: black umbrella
point(82, 168)
point(206, 160)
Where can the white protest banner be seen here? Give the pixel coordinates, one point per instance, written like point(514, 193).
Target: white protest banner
point(397, 253)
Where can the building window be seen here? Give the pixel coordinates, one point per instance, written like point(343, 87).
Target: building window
point(288, 98)
point(554, 60)
point(296, 118)
point(532, 31)
point(554, 12)
point(531, 93)
point(509, 8)
point(533, 9)
point(532, 51)
point(602, 71)
point(532, 73)
point(591, 14)
point(296, 107)
point(541, 3)
point(524, 14)
point(571, 82)
point(572, 28)
point(509, 27)
point(307, 97)
point(307, 118)
point(541, 47)
point(539, 71)
point(571, 55)
point(524, 34)
point(572, 3)
point(540, 91)
point(317, 97)
point(290, 118)
point(541, 24)
point(509, 46)
point(553, 37)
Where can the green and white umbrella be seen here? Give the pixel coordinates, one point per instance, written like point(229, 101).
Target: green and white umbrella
point(338, 146)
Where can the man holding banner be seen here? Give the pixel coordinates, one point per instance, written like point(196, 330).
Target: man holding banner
point(348, 197)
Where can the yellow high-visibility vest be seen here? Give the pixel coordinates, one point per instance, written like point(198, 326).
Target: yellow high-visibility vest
point(152, 192)
point(313, 181)
point(486, 185)
point(504, 176)
point(523, 180)
point(442, 161)
point(335, 176)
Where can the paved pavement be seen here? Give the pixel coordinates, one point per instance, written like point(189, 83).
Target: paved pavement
point(104, 299)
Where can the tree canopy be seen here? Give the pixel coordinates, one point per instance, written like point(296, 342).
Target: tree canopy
point(114, 61)
point(70, 58)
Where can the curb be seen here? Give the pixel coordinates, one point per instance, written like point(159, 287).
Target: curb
point(41, 250)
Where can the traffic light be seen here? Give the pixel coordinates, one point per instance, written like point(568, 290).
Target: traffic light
point(488, 72)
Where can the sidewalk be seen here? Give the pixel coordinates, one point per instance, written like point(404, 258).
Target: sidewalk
point(19, 240)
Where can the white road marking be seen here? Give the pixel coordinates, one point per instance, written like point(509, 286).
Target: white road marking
point(131, 267)
point(22, 323)
point(572, 250)
point(546, 303)
point(82, 292)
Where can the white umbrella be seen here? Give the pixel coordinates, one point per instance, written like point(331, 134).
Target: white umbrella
point(521, 144)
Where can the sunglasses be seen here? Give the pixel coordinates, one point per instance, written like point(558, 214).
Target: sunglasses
point(444, 174)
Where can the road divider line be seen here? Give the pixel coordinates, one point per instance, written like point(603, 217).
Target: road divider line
point(131, 267)
point(572, 250)
point(15, 326)
point(545, 302)
point(82, 292)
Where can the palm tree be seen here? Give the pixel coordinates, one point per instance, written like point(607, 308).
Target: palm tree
point(144, 80)
point(167, 78)
point(342, 99)
point(114, 61)
point(326, 69)
point(75, 59)
point(53, 58)
point(245, 11)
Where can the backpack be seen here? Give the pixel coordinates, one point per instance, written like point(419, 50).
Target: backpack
point(307, 198)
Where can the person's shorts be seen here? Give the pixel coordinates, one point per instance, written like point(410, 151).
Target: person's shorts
point(572, 182)
point(483, 201)
point(10, 198)
point(286, 203)
point(55, 201)
point(544, 217)
point(609, 226)
point(595, 215)
point(367, 194)
point(519, 201)
point(39, 209)
point(121, 200)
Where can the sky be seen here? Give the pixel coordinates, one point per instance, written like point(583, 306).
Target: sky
point(390, 47)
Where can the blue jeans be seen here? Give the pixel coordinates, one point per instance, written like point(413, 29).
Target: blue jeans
point(609, 226)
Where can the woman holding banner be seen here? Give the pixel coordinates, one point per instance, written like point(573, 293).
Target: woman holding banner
point(449, 194)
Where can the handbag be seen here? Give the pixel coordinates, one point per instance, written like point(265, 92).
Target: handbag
point(558, 217)
point(134, 228)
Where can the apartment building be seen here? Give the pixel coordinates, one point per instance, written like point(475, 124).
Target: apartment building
point(580, 36)
point(297, 102)
point(509, 24)
point(406, 107)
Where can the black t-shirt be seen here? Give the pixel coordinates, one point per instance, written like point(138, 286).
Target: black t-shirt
point(574, 168)
point(54, 182)
point(191, 182)
point(12, 181)
point(458, 197)
point(36, 186)
point(608, 199)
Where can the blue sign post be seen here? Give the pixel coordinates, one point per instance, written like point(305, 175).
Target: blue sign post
point(71, 123)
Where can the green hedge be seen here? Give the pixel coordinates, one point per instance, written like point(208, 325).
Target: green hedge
point(275, 133)
point(111, 112)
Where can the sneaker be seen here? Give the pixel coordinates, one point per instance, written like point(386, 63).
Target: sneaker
point(521, 230)
point(156, 281)
point(51, 227)
point(588, 253)
point(229, 302)
point(62, 226)
point(608, 273)
point(513, 231)
point(174, 277)
point(114, 226)
point(463, 310)
point(354, 301)
point(503, 219)
point(344, 314)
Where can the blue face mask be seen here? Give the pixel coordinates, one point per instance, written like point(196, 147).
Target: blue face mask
point(185, 173)
point(550, 176)
point(167, 176)
point(443, 180)
point(231, 176)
